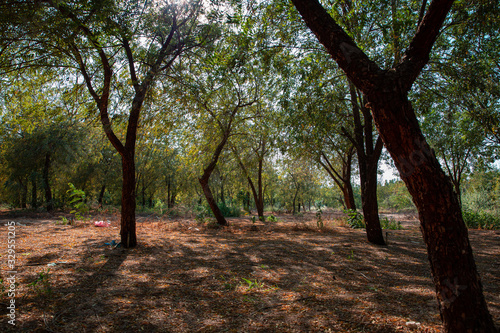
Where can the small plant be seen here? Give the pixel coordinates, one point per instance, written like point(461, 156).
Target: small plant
point(391, 224)
point(77, 201)
point(351, 256)
point(272, 218)
point(319, 219)
point(41, 285)
point(354, 219)
point(299, 214)
point(252, 284)
point(254, 219)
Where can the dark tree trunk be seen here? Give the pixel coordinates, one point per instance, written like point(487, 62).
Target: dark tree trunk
point(23, 198)
point(34, 202)
point(259, 199)
point(127, 222)
point(46, 183)
point(204, 179)
point(211, 201)
point(343, 180)
point(368, 157)
point(101, 195)
point(458, 286)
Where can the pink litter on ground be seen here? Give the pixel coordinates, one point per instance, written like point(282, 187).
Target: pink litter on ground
point(101, 224)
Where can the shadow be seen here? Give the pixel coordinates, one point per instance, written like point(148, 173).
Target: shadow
point(235, 280)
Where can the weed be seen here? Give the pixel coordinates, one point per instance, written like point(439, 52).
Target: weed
point(391, 224)
point(354, 219)
point(41, 285)
point(77, 201)
point(272, 218)
point(319, 219)
point(252, 284)
point(351, 256)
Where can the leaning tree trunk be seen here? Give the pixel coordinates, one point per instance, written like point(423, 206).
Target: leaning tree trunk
point(458, 286)
point(211, 201)
point(457, 282)
point(127, 222)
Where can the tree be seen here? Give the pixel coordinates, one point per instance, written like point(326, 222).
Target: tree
point(458, 286)
point(106, 41)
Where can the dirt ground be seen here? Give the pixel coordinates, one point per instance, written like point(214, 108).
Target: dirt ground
point(286, 276)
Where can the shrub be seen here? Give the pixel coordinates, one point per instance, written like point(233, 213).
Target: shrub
point(272, 218)
point(354, 219)
point(391, 224)
point(481, 220)
point(229, 211)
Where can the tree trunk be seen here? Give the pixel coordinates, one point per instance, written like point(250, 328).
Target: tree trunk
point(369, 204)
point(348, 194)
point(127, 223)
point(368, 157)
point(46, 183)
point(24, 193)
point(34, 202)
point(101, 195)
point(211, 201)
point(458, 286)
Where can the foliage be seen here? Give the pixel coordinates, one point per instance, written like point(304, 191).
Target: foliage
point(390, 224)
point(481, 220)
point(271, 218)
point(42, 285)
point(354, 219)
point(229, 210)
point(77, 200)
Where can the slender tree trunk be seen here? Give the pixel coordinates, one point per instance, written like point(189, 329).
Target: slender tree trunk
point(46, 183)
point(211, 201)
point(127, 223)
point(24, 193)
point(101, 195)
point(34, 202)
point(368, 156)
point(369, 204)
point(259, 200)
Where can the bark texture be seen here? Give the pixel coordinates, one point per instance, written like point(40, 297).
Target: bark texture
point(457, 283)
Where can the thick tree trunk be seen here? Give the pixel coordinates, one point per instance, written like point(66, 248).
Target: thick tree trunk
point(46, 183)
point(211, 201)
point(127, 223)
point(458, 285)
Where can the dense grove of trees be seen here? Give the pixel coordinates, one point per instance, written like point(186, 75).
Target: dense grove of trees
point(231, 105)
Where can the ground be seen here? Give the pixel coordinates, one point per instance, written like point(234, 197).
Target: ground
point(285, 276)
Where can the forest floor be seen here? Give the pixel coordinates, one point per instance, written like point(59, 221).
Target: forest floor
point(286, 276)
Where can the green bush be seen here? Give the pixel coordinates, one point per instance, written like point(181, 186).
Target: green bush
point(354, 219)
point(481, 220)
point(391, 224)
point(272, 218)
point(229, 211)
